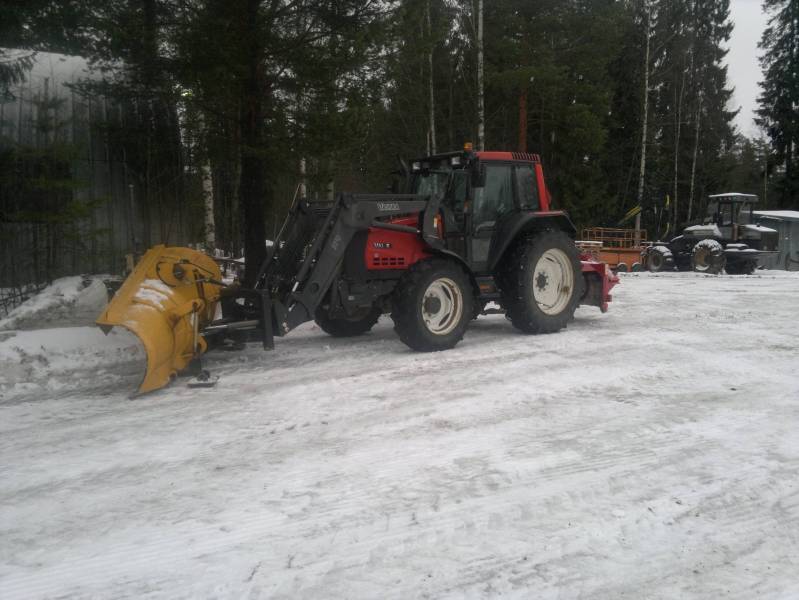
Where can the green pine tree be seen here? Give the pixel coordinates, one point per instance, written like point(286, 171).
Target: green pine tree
point(779, 100)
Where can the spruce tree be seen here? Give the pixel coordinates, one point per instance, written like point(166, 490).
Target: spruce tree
point(779, 101)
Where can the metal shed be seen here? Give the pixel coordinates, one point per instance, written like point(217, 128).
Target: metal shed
point(786, 222)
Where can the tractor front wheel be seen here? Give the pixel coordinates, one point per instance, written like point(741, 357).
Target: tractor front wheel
point(707, 256)
point(432, 305)
point(357, 324)
point(541, 283)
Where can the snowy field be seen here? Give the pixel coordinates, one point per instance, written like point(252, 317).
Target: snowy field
point(651, 452)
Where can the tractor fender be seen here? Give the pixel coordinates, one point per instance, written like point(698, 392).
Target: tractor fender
point(459, 259)
point(521, 224)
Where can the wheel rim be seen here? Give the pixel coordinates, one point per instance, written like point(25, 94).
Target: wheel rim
point(553, 281)
point(442, 306)
point(701, 262)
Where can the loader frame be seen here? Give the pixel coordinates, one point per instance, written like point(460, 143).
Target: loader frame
point(287, 291)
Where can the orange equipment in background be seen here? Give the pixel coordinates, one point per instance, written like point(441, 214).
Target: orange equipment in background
point(619, 248)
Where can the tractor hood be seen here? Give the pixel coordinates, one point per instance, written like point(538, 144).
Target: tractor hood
point(755, 232)
point(703, 231)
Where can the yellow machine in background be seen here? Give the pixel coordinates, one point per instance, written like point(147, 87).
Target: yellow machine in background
point(166, 301)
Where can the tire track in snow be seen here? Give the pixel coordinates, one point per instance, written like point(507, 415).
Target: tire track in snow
point(460, 483)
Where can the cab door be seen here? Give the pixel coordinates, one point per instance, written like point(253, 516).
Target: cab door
point(726, 220)
point(490, 203)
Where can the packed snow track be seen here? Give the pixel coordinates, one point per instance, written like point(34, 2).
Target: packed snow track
point(649, 452)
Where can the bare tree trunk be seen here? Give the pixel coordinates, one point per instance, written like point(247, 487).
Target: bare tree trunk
point(480, 98)
point(451, 106)
point(208, 205)
point(789, 195)
point(678, 125)
point(693, 160)
point(645, 125)
point(765, 173)
point(207, 179)
point(522, 145)
point(432, 130)
point(303, 181)
point(252, 186)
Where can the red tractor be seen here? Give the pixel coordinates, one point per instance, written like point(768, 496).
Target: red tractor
point(477, 229)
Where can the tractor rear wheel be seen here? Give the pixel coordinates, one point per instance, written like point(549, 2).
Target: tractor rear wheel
point(541, 283)
point(357, 324)
point(432, 305)
point(707, 256)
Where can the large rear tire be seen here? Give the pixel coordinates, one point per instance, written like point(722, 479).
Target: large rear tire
point(358, 324)
point(433, 305)
point(707, 256)
point(541, 282)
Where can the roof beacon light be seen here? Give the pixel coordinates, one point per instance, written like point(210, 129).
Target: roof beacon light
point(467, 147)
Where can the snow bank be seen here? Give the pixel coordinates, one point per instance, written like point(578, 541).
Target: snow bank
point(66, 302)
point(37, 363)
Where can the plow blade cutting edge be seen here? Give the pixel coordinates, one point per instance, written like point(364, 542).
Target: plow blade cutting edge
point(166, 301)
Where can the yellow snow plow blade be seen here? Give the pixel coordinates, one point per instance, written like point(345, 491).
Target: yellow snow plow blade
point(166, 301)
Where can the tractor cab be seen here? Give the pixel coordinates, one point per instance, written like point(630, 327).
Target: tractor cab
point(486, 198)
point(730, 212)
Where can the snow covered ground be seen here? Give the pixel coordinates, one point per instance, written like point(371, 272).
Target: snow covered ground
point(651, 452)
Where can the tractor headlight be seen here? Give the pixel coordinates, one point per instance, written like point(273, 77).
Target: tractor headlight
point(416, 166)
point(455, 161)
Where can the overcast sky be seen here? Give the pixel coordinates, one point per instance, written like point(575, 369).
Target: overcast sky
point(744, 70)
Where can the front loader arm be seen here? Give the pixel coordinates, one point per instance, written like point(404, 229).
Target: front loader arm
point(350, 214)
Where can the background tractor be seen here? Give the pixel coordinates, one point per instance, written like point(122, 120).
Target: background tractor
point(479, 230)
point(727, 239)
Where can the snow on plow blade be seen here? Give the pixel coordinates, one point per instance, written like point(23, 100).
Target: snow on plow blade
point(166, 301)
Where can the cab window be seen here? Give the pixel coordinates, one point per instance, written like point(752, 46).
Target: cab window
point(456, 193)
point(432, 183)
point(725, 214)
point(527, 187)
point(495, 198)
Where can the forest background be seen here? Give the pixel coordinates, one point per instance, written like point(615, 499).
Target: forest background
point(204, 116)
